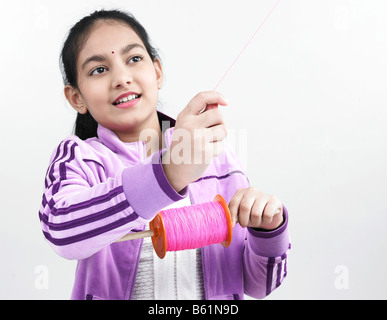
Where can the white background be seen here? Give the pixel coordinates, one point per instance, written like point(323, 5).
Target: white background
point(308, 95)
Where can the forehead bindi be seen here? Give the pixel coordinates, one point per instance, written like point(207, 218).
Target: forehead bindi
point(107, 35)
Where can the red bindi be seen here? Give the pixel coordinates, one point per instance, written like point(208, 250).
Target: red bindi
point(112, 52)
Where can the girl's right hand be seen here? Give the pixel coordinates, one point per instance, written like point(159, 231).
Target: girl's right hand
point(197, 138)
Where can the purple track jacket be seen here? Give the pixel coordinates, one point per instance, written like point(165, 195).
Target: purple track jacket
point(100, 189)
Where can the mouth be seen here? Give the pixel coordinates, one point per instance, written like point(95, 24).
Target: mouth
point(128, 97)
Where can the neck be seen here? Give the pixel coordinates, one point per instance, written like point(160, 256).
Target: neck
point(149, 132)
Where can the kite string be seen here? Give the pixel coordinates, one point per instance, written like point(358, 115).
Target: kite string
point(247, 44)
point(204, 224)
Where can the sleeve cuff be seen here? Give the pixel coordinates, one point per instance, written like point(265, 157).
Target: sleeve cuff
point(147, 188)
point(270, 243)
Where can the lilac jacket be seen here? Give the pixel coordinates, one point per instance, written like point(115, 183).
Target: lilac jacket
point(98, 190)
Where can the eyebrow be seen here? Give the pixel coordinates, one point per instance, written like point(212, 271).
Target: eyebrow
point(101, 58)
point(130, 47)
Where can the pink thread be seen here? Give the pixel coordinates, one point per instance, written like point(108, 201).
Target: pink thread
point(247, 44)
point(195, 226)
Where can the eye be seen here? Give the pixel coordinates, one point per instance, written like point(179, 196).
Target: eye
point(98, 70)
point(135, 59)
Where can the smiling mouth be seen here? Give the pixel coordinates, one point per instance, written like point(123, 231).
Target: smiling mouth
point(129, 98)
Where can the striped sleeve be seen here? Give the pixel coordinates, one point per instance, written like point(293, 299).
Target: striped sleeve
point(265, 260)
point(79, 216)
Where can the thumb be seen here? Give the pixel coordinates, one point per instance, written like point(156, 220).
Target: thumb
point(206, 101)
point(209, 107)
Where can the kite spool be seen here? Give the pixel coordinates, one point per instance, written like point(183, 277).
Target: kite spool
point(189, 227)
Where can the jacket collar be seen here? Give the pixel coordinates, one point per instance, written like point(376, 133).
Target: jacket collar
point(135, 150)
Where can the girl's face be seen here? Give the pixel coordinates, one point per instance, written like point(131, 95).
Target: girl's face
point(118, 81)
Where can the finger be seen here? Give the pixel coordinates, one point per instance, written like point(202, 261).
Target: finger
point(272, 208)
point(245, 209)
point(234, 205)
point(211, 118)
point(216, 133)
point(256, 213)
point(209, 107)
point(203, 99)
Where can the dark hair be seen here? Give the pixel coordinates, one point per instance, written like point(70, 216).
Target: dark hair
point(85, 125)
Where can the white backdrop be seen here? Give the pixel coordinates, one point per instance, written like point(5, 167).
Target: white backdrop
point(307, 114)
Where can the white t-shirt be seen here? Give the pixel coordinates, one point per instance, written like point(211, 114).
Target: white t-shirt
point(178, 276)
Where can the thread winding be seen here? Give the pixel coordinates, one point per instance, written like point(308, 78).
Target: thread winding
point(195, 226)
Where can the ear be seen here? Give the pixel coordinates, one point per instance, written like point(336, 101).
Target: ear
point(159, 73)
point(74, 97)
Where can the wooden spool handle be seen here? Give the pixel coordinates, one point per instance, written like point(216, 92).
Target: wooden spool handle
point(150, 233)
point(137, 235)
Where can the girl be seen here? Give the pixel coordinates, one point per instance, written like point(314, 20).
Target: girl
point(110, 179)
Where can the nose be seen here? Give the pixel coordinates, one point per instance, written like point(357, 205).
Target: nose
point(121, 76)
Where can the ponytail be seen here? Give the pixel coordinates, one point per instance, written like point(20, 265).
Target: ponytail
point(85, 126)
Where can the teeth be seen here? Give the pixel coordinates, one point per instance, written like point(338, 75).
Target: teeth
point(126, 99)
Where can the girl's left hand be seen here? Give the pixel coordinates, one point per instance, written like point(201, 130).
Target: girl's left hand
point(252, 208)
